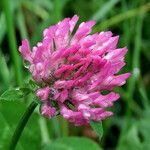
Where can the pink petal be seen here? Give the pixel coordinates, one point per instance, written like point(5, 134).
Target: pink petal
point(25, 50)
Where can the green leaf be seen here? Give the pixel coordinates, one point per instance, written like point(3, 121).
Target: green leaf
point(4, 72)
point(72, 143)
point(36, 9)
point(127, 143)
point(103, 10)
point(97, 127)
point(2, 27)
point(137, 136)
point(6, 133)
point(56, 146)
point(15, 94)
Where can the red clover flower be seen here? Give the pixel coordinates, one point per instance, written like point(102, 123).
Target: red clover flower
point(74, 70)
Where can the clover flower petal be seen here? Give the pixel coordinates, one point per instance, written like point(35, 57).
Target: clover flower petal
point(75, 70)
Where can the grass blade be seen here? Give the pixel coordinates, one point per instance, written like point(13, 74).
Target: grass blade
point(12, 41)
point(103, 10)
point(123, 16)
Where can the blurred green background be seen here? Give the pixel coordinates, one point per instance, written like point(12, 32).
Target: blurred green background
point(129, 128)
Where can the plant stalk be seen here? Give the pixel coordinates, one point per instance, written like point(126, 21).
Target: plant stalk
point(12, 41)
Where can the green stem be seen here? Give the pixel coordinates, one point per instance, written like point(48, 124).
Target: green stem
point(12, 41)
point(21, 125)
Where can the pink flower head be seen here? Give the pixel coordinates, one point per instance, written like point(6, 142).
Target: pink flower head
point(76, 69)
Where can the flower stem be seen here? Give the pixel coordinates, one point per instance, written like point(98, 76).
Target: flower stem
point(21, 125)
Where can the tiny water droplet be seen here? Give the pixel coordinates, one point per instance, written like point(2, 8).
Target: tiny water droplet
point(26, 64)
point(17, 89)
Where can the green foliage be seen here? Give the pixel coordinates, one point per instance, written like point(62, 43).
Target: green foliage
point(72, 143)
point(15, 94)
point(129, 127)
point(9, 118)
point(137, 136)
point(2, 27)
point(97, 127)
point(104, 9)
point(4, 75)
